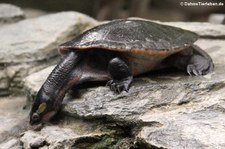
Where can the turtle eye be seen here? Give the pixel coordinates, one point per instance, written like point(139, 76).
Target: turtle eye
point(42, 107)
point(35, 117)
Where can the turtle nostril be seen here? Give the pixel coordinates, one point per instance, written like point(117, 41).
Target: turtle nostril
point(35, 117)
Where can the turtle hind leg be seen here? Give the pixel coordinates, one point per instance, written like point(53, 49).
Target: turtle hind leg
point(121, 75)
point(193, 60)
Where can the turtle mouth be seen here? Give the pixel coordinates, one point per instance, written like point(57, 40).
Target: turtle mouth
point(35, 118)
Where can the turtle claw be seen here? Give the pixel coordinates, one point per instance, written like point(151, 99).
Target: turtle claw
point(199, 69)
point(192, 70)
point(199, 65)
point(119, 85)
point(116, 86)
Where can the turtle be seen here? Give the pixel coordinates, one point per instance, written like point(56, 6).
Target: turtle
point(115, 52)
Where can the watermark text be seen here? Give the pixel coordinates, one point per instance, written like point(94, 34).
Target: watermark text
point(190, 4)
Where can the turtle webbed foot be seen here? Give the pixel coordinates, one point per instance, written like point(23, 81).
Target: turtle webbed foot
point(199, 65)
point(120, 85)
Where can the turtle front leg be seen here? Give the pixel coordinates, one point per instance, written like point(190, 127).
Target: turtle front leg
point(193, 60)
point(120, 74)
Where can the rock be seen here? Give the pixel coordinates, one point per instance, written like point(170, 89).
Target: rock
point(164, 109)
point(195, 125)
point(37, 41)
point(31, 140)
point(52, 137)
point(59, 137)
point(10, 14)
point(11, 144)
point(216, 18)
point(30, 45)
point(33, 13)
point(12, 116)
point(215, 48)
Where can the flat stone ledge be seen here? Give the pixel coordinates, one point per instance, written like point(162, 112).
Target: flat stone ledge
point(146, 94)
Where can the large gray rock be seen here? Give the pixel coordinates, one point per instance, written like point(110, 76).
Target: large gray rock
point(170, 109)
point(30, 45)
point(10, 13)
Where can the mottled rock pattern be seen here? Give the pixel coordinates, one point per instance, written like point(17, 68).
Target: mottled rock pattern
point(10, 13)
point(52, 137)
point(30, 45)
point(195, 125)
point(32, 140)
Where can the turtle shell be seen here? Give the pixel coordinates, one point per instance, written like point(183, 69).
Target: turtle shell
point(137, 36)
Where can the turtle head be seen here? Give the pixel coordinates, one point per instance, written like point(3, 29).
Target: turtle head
point(42, 109)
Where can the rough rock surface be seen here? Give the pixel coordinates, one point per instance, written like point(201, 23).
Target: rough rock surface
point(194, 125)
point(10, 13)
point(55, 137)
point(30, 45)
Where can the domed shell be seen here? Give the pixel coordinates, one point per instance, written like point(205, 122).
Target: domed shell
point(134, 36)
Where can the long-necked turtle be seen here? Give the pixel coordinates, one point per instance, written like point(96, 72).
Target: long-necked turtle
point(116, 52)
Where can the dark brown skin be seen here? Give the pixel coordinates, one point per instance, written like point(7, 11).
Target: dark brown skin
point(115, 66)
